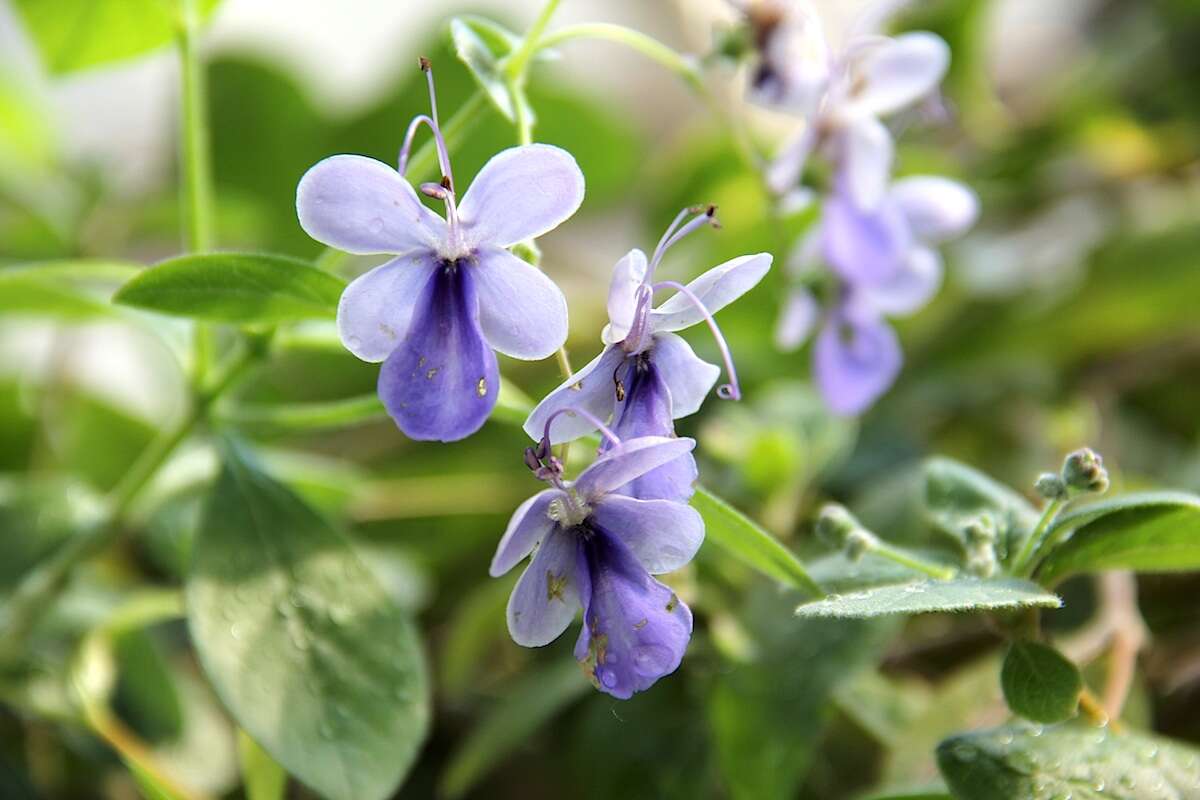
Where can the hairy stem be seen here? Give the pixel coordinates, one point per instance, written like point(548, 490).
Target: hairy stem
point(1031, 551)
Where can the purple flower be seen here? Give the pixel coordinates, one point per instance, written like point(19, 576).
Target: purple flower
point(792, 73)
point(884, 264)
point(646, 377)
point(597, 550)
point(453, 293)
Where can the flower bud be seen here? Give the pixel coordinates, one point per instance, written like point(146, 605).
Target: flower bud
point(835, 523)
point(858, 543)
point(981, 531)
point(1083, 471)
point(1050, 486)
point(981, 561)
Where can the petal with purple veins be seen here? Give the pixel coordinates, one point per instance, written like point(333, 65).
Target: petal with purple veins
point(627, 278)
point(662, 535)
point(376, 309)
point(856, 359)
point(441, 382)
point(530, 524)
point(635, 629)
point(522, 312)
point(590, 389)
point(630, 460)
point(547, 595)
point(716, 289)
point(361, 205)
point(521, 193)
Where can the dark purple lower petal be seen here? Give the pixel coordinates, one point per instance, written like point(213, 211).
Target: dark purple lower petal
point(645, 410)
point(635, 630)
point(441, 382)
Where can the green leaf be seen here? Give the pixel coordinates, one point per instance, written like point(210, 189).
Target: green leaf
point(738, 536)
point(243, 288)
point(262, 777)
point(76, 34)
point(481, 44)
point(956, 493)
point(522, 711)
point(923, 597)
point(1070, 760)
point(305, 649)
point(837, 573)
point(1040, 683)
point(1147, 531)
point(62, 289)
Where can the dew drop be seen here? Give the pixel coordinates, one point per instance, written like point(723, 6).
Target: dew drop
point(481, 388)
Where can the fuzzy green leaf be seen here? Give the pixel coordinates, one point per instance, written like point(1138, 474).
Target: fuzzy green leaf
point(929, 596)
point(1071, 760)
point(1146, 531)
point(956, 494)
point(242, 288)
point(1040, 683)
point(304, 647)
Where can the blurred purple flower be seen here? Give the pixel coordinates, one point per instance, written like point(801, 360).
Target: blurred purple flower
point(597, 550)
point(794, 63)
point(647, 377)
point(453, 293)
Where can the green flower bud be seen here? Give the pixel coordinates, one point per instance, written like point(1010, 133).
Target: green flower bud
point(1083, 471)
point(1050, 486)
point(835, 524)
point(858, 543)
point(981, 530)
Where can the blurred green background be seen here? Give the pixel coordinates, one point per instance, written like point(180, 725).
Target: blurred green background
point(1069, 317)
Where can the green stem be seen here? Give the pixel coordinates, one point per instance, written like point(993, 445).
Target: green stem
point(196, 167)
point(305, 416)
point(1031, 551)
point(37, 591)
point(516, 63)
point(648, 46)
point(907, 559)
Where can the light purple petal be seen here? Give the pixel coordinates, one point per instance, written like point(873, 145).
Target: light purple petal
point(590, 389)
point(912, 287)
point(856, 359)
point(864, 247)
point(631, 460)
point(796, 320)
point(546, 596)
point(441, 382)
point(866, 150)
point(646, 410)
point(530, 524)
point(521, 193)
point(662, 535)
point(688, 377)
point(627, 278)
point(376, 308)
point(522, 312)
point(716, 288)
point(900, 71)
point(361, 205)
point(937, 208)
point(635, 630)
point(805, 257)
point(786, 168)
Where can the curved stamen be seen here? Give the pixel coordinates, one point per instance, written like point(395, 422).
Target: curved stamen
point(726, 391)
point(443, 154)
point(683, 212)
point(707, 216)
point(589, 416)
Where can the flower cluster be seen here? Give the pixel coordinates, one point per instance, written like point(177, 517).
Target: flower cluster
point(453, 293)
point(876, 236)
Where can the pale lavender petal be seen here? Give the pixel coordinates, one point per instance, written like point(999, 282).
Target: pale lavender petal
point(529, 525)
point(635, 629)
point(627, 278)
point(361, 205)
point(646, 410)
point(864, 247)
point(521, 193)
point(796, 320)
point(866, 150)
point(376, 309)
point(937, 208)
point(441, 382)
point(805, 257)
point(716, 288)
point(688, 377)
point(785, 169)
point(662, 535)
point(522, 312)
point(591, 389)
point(912, 287)
point(856, 359)
point(631, 460)
point(900, 71)
point(547, 595)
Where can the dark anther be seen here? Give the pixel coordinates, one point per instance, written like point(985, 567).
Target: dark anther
point(424, 62)
point(619, 384)
point(543, 449)
point(445, 182)
point(531, 459)
point(711, 210)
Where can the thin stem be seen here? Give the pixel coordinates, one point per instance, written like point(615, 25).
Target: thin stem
point(36, 593)
point(1030, 551)
point(650, 47)
point(1093, 709)
point(728, 391)
point(517, 62)
point(305, 416)
point(907, 559)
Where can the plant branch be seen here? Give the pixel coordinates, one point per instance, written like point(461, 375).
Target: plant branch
point(648, 46)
